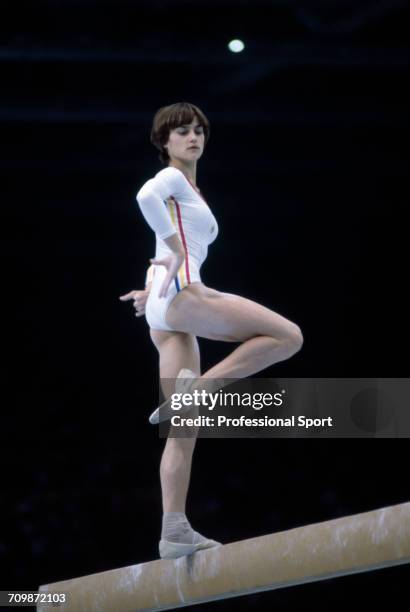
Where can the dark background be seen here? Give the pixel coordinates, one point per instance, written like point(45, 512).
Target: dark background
point(307, 173)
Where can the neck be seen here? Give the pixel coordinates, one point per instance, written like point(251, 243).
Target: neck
point(188, 169)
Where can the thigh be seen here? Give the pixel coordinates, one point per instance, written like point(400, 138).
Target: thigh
point(176, 350)
point(224, 316)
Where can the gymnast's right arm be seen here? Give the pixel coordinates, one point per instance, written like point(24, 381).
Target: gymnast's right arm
point(150, 199)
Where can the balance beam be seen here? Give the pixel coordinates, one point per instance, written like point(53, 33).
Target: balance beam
point(348, 545)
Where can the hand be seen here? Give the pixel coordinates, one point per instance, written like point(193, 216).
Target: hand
point(172, 263)
point(140, 299)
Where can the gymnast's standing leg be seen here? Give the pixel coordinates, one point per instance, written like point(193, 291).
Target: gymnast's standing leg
point(176, 351)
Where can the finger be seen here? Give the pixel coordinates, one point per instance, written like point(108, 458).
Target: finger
point(164, 288)
point(127, 296)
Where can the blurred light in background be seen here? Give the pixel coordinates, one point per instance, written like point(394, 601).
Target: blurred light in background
point(236, 46)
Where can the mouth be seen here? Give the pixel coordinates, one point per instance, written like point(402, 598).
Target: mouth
point(192, 148)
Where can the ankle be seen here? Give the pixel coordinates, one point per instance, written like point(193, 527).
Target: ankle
point(176, 527)
point(174, 515)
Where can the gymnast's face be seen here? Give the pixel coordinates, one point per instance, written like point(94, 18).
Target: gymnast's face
point(186, 142)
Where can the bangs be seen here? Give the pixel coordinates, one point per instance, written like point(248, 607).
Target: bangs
point(183, 114)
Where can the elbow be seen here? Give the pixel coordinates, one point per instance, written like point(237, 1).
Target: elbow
point(143, 197)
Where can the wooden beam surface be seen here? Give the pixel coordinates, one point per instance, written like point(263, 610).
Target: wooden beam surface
point(348, 545)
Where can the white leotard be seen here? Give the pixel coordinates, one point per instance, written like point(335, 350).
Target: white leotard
point(171, 204)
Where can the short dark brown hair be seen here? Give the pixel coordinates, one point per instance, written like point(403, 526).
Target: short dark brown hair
point(170, 117)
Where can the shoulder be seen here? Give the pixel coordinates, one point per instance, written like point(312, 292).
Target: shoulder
point(170, 175)
point(167, 182)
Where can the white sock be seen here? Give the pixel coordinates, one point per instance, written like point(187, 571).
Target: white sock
point(176, 528)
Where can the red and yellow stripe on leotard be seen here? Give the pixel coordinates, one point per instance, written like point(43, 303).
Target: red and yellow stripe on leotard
point(183, 278)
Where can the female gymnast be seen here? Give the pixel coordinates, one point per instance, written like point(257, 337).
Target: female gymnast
point(179, 307)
